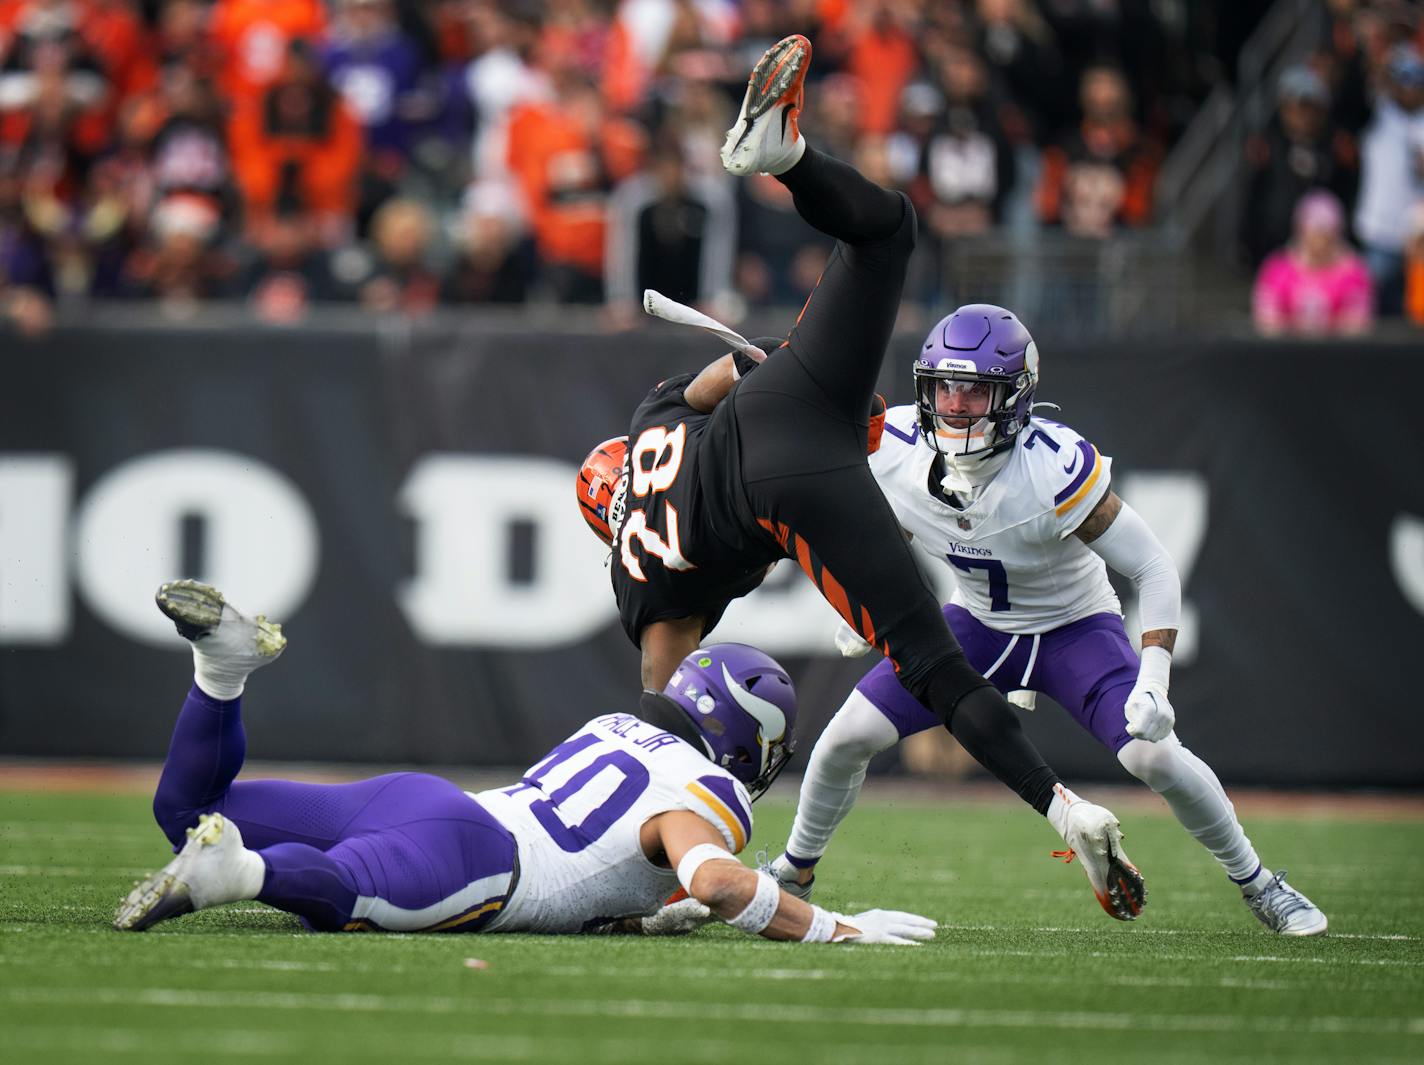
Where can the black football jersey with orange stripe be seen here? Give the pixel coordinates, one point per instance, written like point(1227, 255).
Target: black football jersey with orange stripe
point(683, 549)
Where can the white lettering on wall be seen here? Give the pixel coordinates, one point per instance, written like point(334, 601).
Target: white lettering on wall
point(463, 592)
point(259, 537)
point(1406, 558)
point(34, 548)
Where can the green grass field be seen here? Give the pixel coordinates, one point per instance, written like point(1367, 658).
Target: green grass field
point(1025, 967)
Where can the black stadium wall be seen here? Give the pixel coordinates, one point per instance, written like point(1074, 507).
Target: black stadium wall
point(404, 500)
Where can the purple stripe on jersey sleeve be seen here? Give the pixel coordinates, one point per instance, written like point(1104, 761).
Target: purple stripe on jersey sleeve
point(1089, 463)
point(725, 790)
point(909, 437)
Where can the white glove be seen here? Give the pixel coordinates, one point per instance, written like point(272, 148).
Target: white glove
point(1149, 715)
point(680, 918)
point(887, 926)
point(849, 642)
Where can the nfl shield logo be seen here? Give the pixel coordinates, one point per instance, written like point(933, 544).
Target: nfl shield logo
point(963, 523)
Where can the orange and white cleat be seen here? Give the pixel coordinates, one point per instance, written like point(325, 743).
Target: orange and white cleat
point(765, 139)
point(1094, 836)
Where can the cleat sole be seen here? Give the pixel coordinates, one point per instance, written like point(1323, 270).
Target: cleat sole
point(156, 899)
point(775, 73)
point(194, 608)
point(1127, 891)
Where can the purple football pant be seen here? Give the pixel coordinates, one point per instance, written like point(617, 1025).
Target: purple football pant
point(404, 852)
point(1088, 668)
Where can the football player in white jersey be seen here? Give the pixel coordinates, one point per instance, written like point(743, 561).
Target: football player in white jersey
point(599, 832)
point(1023, 510)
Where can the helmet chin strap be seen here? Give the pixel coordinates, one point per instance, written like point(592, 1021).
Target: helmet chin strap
point(966, 474)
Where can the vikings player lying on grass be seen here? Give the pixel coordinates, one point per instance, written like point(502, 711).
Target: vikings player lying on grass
point(1022, 509)
point(600, 831)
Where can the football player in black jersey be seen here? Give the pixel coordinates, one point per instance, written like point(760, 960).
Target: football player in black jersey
point(703, 496)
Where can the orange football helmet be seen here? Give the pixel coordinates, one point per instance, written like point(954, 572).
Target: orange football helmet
point(601, 484)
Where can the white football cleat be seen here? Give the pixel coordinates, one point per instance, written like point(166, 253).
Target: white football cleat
point(766, 139)
point(212, 868)
point(786, 875)
point(1283, 909)
point(1095, 838)
point(227, 644)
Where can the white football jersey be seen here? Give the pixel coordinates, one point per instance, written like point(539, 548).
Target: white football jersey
point(576, 816)
point(1017, 566)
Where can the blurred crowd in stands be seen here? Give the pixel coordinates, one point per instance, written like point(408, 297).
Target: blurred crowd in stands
point(1340, 166)
point(402, 155)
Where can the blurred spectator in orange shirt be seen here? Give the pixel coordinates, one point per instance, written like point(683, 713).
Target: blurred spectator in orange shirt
point(298, 139)
point(566, 156)
point(1414, 264)
point(253, 38)
point(883, 58)
point(1099, 177)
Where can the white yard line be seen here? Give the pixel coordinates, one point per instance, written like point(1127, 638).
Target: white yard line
point(718, 1012)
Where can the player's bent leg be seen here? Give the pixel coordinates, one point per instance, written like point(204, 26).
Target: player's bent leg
point(204, 755)
point(858, 732)
point(208, 744)
point(1199, 802)
point(842, 332)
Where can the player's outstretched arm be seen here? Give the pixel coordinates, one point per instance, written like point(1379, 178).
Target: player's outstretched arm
point(753, 901)
point(1125, 542)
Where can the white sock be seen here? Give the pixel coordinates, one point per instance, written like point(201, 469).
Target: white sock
point(253, 876)
point(240, 882)
point(835, 773)
point(798, 149)
point(218, 676)
point(1257, 883)
point(1197, 800)
point(1063, 798)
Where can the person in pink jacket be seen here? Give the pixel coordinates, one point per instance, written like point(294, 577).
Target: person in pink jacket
point(1316, 285)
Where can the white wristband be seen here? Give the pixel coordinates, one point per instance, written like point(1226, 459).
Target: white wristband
point(1156, 669)
point(761, 909)
point(694, 858)
point(823, 926)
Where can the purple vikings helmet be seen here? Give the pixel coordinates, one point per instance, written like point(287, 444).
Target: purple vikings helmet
point(982, 349)
point(743, 705)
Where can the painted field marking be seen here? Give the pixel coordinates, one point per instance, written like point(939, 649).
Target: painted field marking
point(730, 1012)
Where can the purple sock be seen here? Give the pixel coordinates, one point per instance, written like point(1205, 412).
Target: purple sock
point(309, 883)
point(204, 756)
